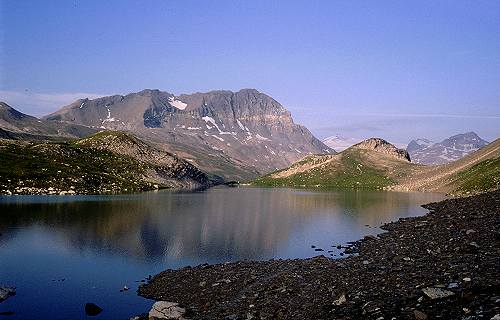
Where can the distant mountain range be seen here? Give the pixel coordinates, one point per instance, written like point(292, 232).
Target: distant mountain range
point(237, 135)
point(424, 151)
point(427, 152)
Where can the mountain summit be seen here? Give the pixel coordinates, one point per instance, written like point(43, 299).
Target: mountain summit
point(232, 134)
point(382, 146)
point(424, 151)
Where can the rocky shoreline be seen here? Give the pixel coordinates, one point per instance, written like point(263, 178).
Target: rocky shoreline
point(443, 265)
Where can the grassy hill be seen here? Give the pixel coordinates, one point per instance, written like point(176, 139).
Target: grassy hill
point(369, 169)
point(107, 162)
point(352, 168)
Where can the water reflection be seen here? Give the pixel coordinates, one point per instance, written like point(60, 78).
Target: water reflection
point(98, 244)
point(222, 223)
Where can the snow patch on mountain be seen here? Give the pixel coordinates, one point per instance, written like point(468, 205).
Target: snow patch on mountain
point(177, 103)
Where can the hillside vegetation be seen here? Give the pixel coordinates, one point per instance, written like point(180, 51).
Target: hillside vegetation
point(107, 162)
point(353, 168)
point(360, 167)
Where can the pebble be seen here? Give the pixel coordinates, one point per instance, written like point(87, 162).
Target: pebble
point(340, 301)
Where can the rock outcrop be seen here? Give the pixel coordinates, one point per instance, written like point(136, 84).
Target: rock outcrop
point(382, 146)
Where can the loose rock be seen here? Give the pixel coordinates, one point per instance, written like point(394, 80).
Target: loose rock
point(166, 310)
point(6, 292)
point(91, 309)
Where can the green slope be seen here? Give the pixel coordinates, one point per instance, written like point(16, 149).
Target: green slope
point(349, 169)
point(482, 177)
point(368, 169)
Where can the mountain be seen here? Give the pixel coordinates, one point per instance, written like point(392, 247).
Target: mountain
point(237, 135)
point(339, 143)
point(17, 125)
point(373, 163)
point(107, 162)
point(377, 164)
point(424, 151)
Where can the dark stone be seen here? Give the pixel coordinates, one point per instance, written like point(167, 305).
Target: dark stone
point(91, 309)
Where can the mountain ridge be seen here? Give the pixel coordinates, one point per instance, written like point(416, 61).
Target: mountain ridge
point(247, 129)
point(17, 125)
point(428, 152)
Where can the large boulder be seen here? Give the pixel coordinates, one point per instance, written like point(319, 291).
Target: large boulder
point(166, 310)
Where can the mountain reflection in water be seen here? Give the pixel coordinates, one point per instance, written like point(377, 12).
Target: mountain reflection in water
point(237, 223)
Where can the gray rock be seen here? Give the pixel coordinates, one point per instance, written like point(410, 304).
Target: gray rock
point(6, 292)
point(340, 301)
point(437, 293)
point(166, 310)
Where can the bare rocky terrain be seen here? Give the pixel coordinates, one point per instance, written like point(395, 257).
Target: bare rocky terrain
point(443, 265)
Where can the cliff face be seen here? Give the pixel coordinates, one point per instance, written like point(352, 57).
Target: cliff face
point(220, 131)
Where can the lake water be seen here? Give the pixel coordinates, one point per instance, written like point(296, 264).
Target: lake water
point(64, 251)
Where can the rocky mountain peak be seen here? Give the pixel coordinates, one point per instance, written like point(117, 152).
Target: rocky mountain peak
point(465, 138)
point(424, 151)
point(383, 146)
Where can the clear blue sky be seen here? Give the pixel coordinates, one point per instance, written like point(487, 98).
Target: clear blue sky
point(350, 67)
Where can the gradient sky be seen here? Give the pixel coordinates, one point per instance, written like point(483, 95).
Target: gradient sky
point(395, 69)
